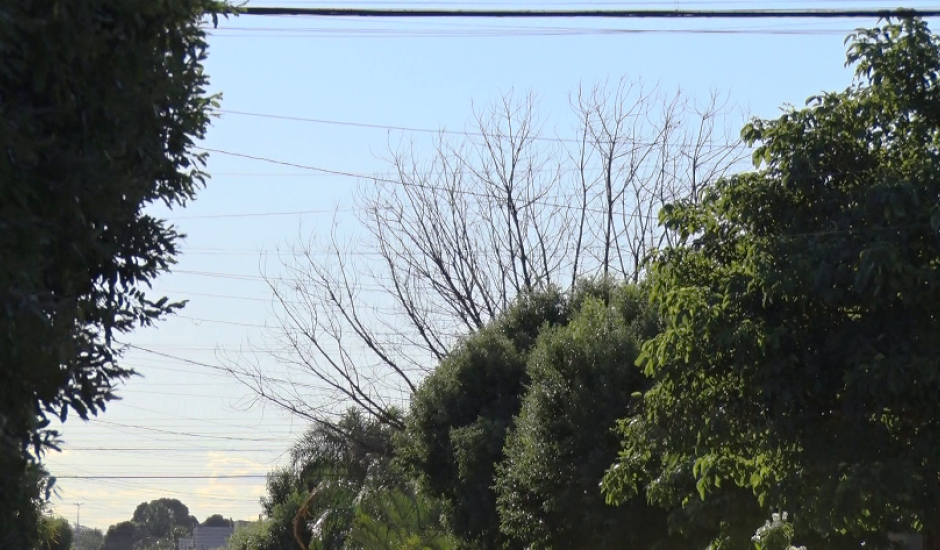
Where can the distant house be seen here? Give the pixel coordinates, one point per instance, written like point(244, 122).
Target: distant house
point(206, 538)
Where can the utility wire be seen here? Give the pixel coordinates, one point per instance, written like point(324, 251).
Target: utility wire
point(590, 3)
point(365, 125)
point(188, 434)
point(223, 476)
point(260, 214)
point(590, 14)
point(497, 33)
point(414, 129)
point(375, 178)
point(167, 449)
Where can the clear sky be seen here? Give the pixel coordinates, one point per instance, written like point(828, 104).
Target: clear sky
point(184, 418)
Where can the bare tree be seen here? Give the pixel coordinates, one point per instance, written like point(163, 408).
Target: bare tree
point(451, 238)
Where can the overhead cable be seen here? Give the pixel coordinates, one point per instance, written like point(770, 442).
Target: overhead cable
point(590, 14)
point(222, 476)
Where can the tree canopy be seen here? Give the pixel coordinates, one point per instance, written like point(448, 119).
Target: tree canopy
point(513, 430)
point(581, 379)
point(799, 356)
point(89, 139)
point(55, 533)
point(216, 520)
point(461, 414)
point(87, 538)
point(343, 491)
point(155, 525)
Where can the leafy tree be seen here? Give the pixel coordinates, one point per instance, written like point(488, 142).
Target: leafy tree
point(354, 447)
point(55, 533)
point(462, 412)
point(216, 520)
point(400, 519)
point(280, 508)
point(256, 536)
point(799, 359)
point(581, 377)
point(172, 509)
point(24, 491)
point(87, 538)
point(89, 139)
point(315, 500)
point(512, 431)
point(121, 536)
point(776, 534)
point(154, 525)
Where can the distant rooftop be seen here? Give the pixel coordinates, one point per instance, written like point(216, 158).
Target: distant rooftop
point(206, 538)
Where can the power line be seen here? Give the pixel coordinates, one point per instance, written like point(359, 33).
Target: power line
point(268, 300)
point(501, 31)
point(162, 491)
point(358, 124)
point(375, 178)
point(415, 129)
point(227, 371)
point(222, 476)
point(223, 322)
point(306, 167)
point(590, 3)
point(261, 214)
point(188, 434)
point(180, 359)
point(203, 420)
point(589, 14)
point(167, 450)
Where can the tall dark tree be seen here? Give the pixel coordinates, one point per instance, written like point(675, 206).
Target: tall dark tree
point(333, 471)
point(155, 525)
point(89, 139)
point(216, 520)
point(55, 533)
point(121, 536)
point(513, 431)
point(462, 412)
point(87, 538)
point(799, 360)
point(581, 378)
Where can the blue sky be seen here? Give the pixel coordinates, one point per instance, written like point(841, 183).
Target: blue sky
point(182, 416)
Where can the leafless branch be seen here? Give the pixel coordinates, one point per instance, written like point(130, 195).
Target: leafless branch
point(451, 238)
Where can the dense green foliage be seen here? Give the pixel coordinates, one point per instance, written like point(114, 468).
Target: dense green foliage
point(280, 506)
point(513, 430)
point(86, 538)
point(399, 518)
point(55, 533)
point(155, 525)
point(462, 412)
point(216, 520)
point(88, 139)
point(342, 491)
point(255, 536)
point(121, 536)
point(581, 378)
point(799, 358)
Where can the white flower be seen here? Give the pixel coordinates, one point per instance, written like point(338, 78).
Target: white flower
point(775, 516)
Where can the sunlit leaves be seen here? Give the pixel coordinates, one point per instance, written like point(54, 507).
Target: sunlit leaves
point(101, 105)
point(798, 360)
